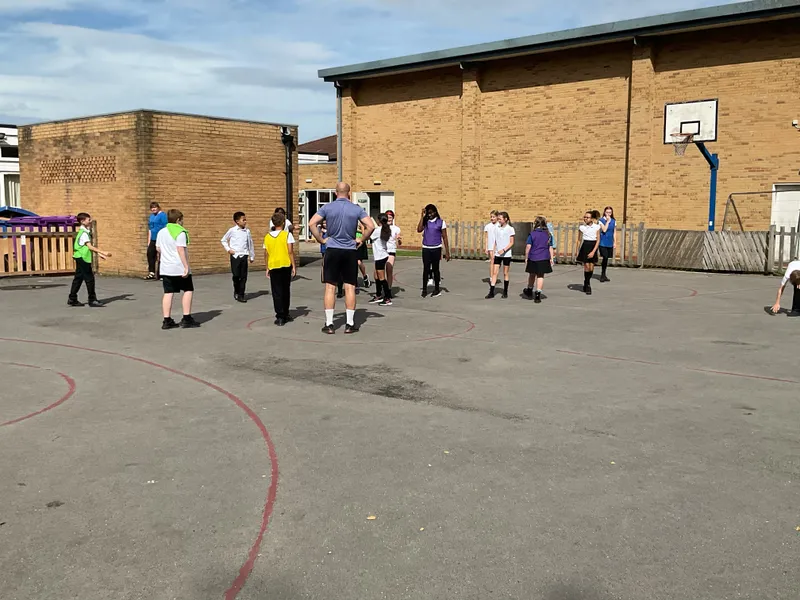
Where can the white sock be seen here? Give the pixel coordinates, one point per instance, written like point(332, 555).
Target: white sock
point(350, 316)
point(328, 316)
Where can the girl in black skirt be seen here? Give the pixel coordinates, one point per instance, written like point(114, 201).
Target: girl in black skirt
point(539, 251)
point(587, 248)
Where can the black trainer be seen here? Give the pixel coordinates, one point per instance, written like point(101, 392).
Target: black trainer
point(436, 294)
point(424, 293)
point(169, 324)
point(527, 292)
point(505, 295)
point(537, 298)
point(96, 304)
point(328, 329)
point(74, 303)
point(490, 295)
point(603, 279)
point(794, 313)
point(188, 322)
point(588, 290)
point(240, 299)
point(280, 322)
point(351, 329)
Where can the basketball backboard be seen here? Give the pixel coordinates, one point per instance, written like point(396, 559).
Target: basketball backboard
point(697, 118)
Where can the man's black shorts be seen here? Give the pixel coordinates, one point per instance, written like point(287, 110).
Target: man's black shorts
point(340, 265)
point(175, 284)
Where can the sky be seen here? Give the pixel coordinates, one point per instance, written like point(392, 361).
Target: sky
point(249, 59)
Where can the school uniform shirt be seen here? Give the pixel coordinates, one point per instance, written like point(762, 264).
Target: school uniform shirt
point(793, 266)
point(539, 241)
point(380, 249)
point(170, 263)
point(607, 237)
point(589, 232)
point(502, 238)
point(240, 241)
point(490, 229)
point(287, 226)
point(391, 245)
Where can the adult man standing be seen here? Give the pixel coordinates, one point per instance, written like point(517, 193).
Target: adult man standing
point(341, 255)
point(157, 222)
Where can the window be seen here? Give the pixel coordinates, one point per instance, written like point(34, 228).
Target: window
point(9, 151)
point(11, 185)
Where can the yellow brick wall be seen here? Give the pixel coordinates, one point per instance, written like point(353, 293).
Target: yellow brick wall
point(755, 73)
point(211, 168)
point(117, 205)
point(549, 133)
point(323, 176)
point(208, 168)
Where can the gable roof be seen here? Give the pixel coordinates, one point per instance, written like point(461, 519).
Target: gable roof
point(326, 145)
point(688, 20)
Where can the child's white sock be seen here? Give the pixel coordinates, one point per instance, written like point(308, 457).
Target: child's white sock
point(328, 316)
point(350, 316)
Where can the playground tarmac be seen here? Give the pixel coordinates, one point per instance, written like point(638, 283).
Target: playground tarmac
point(638, 444)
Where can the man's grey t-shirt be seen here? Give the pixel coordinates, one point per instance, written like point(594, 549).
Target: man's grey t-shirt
point(342, 217)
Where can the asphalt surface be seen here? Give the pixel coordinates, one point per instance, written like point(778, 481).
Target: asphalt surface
point(638, 444)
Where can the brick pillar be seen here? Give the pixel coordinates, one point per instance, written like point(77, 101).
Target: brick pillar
point(348, 157)
point(470, 144)
point(642, 134)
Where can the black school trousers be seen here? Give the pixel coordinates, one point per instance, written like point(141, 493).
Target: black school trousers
point(83, 274)
point(151, 256)
point(431, 257)
point(280, 281)
point(239, 272)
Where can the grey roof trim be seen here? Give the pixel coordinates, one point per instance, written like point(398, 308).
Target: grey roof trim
point(157, 112)
point(716, 16)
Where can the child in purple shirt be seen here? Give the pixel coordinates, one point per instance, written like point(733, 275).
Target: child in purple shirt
point(539, 251)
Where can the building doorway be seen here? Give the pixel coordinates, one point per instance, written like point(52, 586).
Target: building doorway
point(310, 201)
point(375, 203)
point(786, 210)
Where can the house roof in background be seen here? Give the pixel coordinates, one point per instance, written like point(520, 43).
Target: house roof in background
point(677, 22)
point(326, 145)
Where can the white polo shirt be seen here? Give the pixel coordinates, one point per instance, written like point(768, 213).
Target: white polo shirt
point(170, 263)
point(502, 239)
point(490, 229)
point(793, 266)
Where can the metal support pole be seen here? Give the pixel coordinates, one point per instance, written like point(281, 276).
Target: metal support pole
point(339, 157)
point(288, 141)
point(713, 163)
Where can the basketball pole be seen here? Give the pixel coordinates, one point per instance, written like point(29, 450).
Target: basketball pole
point(713, 163)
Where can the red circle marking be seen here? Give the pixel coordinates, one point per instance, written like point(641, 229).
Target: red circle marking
point(245, 570)
point(64, 398)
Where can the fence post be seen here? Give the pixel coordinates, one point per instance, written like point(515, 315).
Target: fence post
point(770, 246)
point(640, 254)
point(557, 240)
point(793, 244)
point(780, 249)
point(624, 253)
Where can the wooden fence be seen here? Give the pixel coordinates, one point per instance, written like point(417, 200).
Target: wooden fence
point(724, 251)
point(467, 241)
point(37, 252)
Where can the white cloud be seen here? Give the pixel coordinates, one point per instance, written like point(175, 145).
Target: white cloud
point(243, 58)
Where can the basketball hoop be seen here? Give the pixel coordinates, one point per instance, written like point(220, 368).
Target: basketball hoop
point(681, 141)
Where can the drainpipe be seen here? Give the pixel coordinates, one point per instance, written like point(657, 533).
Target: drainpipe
point(339, 156)
point(288, 141)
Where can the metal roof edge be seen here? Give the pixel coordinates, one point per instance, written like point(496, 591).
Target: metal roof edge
point(606, 32)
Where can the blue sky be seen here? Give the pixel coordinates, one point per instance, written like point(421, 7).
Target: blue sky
point(252, 59)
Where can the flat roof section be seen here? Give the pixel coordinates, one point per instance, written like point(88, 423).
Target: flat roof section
point(704, 18)
point(159, 112)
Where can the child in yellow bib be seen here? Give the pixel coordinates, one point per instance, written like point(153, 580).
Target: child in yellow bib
point(279, 256)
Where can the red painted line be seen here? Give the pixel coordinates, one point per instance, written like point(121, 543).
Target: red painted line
point(70, 391)
point(696, 369)
point(272, 492)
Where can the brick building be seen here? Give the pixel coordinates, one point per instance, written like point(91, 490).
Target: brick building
point(113, 166)
point(556, 123)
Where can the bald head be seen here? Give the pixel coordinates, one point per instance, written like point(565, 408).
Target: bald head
point(342, 190)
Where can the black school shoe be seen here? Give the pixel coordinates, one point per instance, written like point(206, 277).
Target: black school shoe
point(74, 303)
point(169, 324)
point(527, 292)
point(537, 298)
point(240, 299)
point(96, 304)
point(188, 322)
point(280, 322)
point(794, 313)
point(603, 279)
point(351, 329)
point(328, 329)
point(588, 290)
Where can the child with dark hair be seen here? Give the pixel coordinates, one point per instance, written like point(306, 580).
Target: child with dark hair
point(82, 254)
point(287, 226)
point(380, 252)
point(238, 242)
point(434, 237)
point(539, 250)
point(792, 276)
point(587, 248)
point(608, 239)
point(176, 274)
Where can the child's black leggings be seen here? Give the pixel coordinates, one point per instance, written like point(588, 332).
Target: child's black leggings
point(431, 257)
